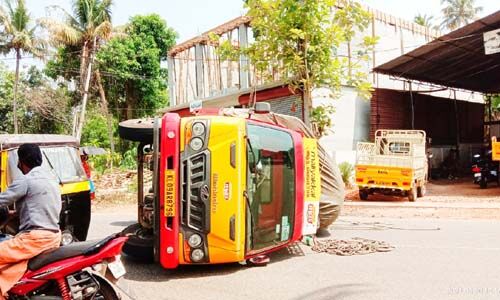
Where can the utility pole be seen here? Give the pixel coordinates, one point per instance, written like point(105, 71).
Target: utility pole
point(85, 93)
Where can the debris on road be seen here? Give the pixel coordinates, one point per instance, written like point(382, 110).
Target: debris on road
point(355, 246)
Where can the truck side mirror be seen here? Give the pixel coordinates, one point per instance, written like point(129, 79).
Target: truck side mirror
point(262, 108)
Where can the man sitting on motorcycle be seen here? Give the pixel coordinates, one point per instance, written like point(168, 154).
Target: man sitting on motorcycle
point(37, 199)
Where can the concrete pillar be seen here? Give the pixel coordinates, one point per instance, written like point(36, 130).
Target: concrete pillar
point(244, 65)
point(198, 54)
point(171, 81)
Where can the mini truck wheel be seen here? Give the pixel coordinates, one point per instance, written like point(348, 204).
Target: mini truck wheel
point(412, 194)
point(421, 190)
point(363, 194)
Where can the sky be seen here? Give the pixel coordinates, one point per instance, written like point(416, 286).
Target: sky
point(192, 17)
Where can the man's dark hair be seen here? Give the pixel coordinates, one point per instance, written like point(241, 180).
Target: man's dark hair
point(30, 155)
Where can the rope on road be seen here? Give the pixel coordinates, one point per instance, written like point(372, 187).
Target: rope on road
point(355, 246)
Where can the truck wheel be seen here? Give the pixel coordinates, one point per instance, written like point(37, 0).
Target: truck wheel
point(412, 194)
point(363, 194)
point(483, 183)
point(140, 243)
point(137, 130)
point(421, 190)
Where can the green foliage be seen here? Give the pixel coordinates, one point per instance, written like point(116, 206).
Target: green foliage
point(299, 41)
point(95, 131)
point(423, 20)
point(320, 116)
point(42, 108)
point(301, 38)
point(129, 161)
point(347, 172)
point(131, 66)
point(95, 134)
point(457, 13)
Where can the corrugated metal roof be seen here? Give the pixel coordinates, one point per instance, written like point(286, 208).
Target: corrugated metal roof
point(15, 140)
point(455, 60)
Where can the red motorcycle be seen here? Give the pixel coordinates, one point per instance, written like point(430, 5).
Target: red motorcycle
point(81, 270)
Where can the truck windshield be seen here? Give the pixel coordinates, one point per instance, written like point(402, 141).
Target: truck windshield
point(270, 187)
point(62, 162)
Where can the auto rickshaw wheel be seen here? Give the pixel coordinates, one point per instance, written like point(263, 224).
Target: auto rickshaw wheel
point(140, 243)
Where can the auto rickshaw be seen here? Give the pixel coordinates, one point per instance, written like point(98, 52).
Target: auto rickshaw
point(60, 156)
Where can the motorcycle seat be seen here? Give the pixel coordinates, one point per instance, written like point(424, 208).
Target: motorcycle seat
point(72, 250)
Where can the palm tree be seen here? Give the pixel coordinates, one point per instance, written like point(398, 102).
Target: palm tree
point(19, 35)
point(87, 27)
point(423, 20)
point(458, 13)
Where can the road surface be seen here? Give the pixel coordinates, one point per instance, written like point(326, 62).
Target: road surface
point(432, 259)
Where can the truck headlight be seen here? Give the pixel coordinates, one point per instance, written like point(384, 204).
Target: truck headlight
point(194, 240)
point(196, 143)
point(198, 129)
point(197, 255)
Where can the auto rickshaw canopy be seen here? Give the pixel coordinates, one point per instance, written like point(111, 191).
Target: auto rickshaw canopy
point(9, 141)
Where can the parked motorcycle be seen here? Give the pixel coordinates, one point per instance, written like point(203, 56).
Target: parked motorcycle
point(485, 170)
point(81, 270)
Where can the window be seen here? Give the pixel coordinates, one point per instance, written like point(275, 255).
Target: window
point(63, 162)
point(399, 148)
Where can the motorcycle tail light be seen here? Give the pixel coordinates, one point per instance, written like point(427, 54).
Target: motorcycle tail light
point(476, 170)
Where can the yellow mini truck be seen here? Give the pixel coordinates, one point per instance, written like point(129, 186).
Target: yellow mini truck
point(60, 156)
point(395, 164)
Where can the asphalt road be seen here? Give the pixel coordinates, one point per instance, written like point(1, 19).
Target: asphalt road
point(432, 259)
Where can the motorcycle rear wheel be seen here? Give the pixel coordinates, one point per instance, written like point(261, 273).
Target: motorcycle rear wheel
point(483, 183)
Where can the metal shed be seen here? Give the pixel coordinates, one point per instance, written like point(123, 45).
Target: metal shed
point(455, 60)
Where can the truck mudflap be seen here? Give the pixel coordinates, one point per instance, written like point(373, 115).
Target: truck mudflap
point(168, 204)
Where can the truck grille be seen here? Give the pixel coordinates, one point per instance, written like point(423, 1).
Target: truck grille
point(195, 192)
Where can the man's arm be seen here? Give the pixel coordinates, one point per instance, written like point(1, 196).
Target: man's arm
point(16, 190)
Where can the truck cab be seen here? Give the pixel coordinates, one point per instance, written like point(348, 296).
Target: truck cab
point(228, 189)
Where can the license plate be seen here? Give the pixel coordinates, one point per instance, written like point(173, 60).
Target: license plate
point(477, 175)
point(170, 187)
point(380, 183)
point(117, 268)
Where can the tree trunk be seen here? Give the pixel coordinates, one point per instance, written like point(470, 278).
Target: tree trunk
point(16, 83)
point(105, 110)
point(130, 101)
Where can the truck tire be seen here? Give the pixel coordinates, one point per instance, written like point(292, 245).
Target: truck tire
point(412, 194)
point(140, 244)
point(363, 194)
point(421, 190)
point(137, 130)
point(328, 213)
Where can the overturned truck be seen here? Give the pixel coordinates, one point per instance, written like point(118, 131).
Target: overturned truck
point(229, 185)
